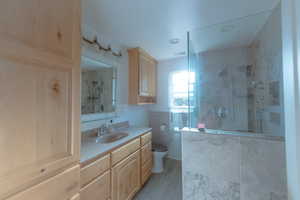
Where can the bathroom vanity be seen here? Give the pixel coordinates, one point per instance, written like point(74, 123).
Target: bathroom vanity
point(116, 170)
point(116, 160)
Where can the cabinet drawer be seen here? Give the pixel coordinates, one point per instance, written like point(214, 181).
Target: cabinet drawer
point(60, 187)
point(146, 152)
point(146, 138)
point(99, 189)
point(124, 151)
point(95, 169)
point(146, 171)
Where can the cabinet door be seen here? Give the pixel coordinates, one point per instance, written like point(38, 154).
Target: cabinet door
point(152, 78)
point(147, 67)
point(146, 152)
point(38, 134)
point(146, 158)
point(146, 171)
point(99, 189)
point(40, 91)
point(126, 178)
point(144, 76)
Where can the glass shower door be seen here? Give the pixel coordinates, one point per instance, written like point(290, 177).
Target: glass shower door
point(193, 86)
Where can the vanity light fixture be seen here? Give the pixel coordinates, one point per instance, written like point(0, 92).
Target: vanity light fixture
point(100, 47)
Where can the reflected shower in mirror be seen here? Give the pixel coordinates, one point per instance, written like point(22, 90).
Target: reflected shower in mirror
point(98, 87)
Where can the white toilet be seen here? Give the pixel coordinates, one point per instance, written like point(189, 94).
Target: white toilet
point(159, 152)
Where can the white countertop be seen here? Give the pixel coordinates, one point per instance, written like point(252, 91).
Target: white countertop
point(90, 149)
point(235, 133)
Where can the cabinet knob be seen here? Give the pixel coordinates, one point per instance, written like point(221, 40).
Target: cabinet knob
point(56, 87)
point(59, 35)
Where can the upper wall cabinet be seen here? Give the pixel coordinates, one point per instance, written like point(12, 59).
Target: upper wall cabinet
point(142, 77)
point(40, 91)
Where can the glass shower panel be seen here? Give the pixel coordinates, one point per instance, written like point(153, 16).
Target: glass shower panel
point(193, 87)
point(236, 76)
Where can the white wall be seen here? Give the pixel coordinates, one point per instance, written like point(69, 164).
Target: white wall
point(136, 115)
point(291, 77)
point(267, 57)
point(159, 113)
point(164, 70)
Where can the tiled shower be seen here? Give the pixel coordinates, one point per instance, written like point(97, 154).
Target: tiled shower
point(239, 86)
point(235, 145)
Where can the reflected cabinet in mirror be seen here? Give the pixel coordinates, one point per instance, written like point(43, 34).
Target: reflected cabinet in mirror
point(98, 87)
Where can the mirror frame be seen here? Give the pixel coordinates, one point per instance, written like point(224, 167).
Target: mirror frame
point(90, 53)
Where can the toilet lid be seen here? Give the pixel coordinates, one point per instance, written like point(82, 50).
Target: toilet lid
point(159, 148)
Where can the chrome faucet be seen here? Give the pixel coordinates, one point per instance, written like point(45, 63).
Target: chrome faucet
point(102, 130)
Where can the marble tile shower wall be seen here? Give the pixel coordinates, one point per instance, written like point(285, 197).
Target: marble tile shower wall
point(245, 84)
point(232, 168)
point(267, 93)
point(223, 95)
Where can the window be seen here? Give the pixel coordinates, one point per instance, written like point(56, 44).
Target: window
point(182, 84)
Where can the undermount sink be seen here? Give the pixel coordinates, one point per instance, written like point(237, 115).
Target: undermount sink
point(111, 137)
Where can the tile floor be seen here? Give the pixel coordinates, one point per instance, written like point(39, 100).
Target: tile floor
point(164, 186)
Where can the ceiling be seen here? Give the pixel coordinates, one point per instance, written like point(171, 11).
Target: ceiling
point(234, 33)
point(151, 24)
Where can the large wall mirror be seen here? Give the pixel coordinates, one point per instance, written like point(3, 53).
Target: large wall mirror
point(98, 88)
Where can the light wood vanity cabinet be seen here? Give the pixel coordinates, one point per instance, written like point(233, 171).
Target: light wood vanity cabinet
point(40, 95)
point(126, 178)
point(142, 77)
point(119, 174)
